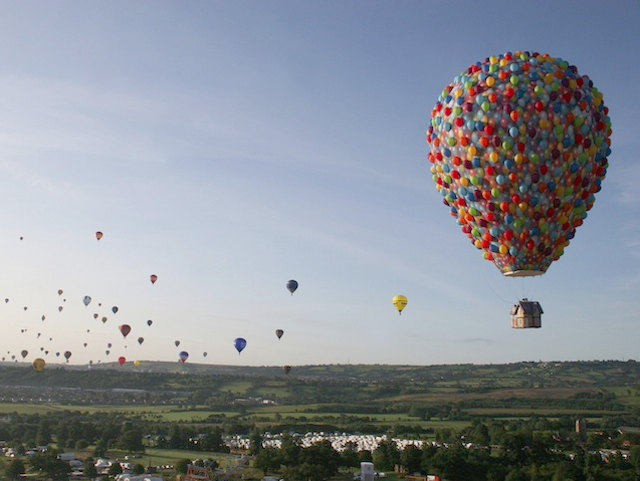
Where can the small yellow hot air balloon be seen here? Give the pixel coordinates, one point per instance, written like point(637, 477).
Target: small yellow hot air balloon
point(136, 363)
point(400, 302)
point(38, 364)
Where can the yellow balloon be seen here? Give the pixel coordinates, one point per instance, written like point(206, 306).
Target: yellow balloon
point(400, 302)
point(136, 363)
point(38, 364)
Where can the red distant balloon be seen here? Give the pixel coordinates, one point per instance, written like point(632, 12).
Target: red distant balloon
point(125, 329)
point(153, 278)
point(122, 360)
point(98, 235)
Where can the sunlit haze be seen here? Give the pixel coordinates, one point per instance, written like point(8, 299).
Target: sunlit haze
point(228, 147)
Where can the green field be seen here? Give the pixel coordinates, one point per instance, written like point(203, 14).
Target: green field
point(158, 413)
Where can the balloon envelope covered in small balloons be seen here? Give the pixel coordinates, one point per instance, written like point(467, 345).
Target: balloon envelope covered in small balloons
point(518, 149)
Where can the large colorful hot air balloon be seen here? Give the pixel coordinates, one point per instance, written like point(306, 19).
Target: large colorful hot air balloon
point(279, 333)
point(153, 278)
point(400, 302)
point(240, 343)
point(292, 285)
point(519, 147)
point(183, 356)
point(125, 329)
point(38, 364)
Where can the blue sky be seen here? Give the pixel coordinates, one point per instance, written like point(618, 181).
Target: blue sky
point(230, 146)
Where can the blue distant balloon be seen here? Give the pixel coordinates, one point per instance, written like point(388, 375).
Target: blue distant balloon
point(292, 285)
point(240, 343)
point(183, 356)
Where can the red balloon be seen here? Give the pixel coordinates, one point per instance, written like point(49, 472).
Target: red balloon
point(125, 329)
point(122, 360)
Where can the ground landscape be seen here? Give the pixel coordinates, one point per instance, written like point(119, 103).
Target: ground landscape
point(447, 420)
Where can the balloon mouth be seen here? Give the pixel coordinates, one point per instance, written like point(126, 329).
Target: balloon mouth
point(523, 273)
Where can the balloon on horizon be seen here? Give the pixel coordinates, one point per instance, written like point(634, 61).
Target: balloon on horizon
point(38, 364)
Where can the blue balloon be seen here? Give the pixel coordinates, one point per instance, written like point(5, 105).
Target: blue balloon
point(240, 343)
point(292, 285)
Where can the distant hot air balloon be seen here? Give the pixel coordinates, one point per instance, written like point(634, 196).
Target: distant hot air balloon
point(287, 369)
point(122, 360)
point(204, 354)
point(140, 340)
point(109, 345)
point(43, 318)
point(292, 285)
point(153, 278)
point(24, 353)
point(279, 333)
point(86, 300)
point(149, 322)
point(85, 344)
point(125, 329)
point(60, 308)
point(95, 315)
point(104, 319)
point(57, 354)
point(114, 309)
point(25, 308)
point(400, 302)
point(107, 352)
point(183, 356)
point(177, 343)
point(99, 235)
point(136, 363)
point(60, 291)
point(240, 343)
point(67, 355)
point(38, 364)
point(6, 300)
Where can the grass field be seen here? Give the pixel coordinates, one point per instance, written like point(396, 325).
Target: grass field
point(160, 413)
